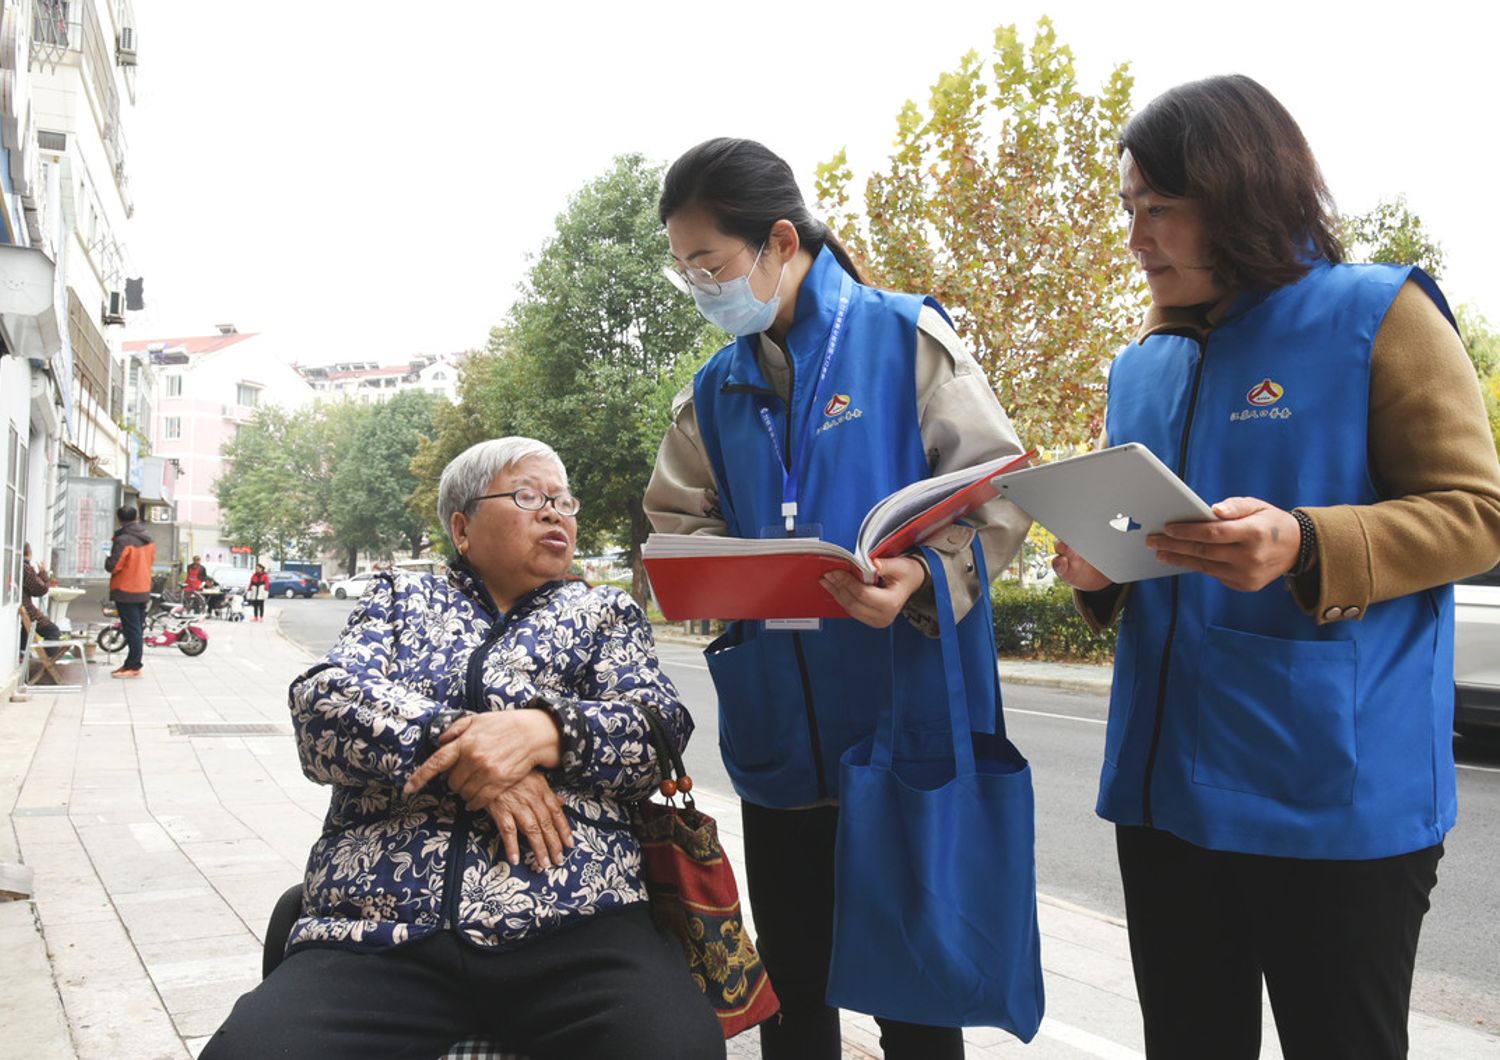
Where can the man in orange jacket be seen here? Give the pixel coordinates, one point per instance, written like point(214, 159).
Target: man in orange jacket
point(129, 565)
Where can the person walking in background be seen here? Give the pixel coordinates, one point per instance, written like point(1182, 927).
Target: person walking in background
point(1279, 755)
point(131, 554)
point(257, 591)
point(760, 266)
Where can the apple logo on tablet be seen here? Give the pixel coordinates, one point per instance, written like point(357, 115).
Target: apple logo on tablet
point(1124, 523)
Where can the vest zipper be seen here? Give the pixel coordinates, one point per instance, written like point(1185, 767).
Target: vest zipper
point(459, 843)
point(1166, 651)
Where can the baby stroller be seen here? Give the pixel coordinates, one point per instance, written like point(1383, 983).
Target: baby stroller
point(226, 603)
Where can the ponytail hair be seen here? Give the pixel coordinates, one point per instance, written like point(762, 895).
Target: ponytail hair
point(746, 188)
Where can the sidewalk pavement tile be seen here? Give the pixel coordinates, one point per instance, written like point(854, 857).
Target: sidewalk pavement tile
point(35, 1025)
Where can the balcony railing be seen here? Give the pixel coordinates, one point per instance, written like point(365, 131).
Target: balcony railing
point(91, 360)
point(56, 28)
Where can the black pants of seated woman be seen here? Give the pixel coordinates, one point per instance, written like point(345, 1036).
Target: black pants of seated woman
point(1335, 942)
point(789, 877)
point(611, 988)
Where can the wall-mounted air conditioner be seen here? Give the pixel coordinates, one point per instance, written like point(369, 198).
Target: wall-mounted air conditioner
point(125, 46)
point(114, 308)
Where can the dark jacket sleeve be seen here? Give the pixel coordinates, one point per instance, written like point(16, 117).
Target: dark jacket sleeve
point(356, 725)
point(117, 549)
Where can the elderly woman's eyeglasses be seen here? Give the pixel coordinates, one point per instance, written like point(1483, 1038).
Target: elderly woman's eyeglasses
point(687, 277)
point(534, 500)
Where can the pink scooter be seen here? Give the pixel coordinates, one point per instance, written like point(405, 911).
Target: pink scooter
point(174, 629)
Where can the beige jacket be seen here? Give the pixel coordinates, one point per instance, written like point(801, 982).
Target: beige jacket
point(961, 423)
point(1431, 455)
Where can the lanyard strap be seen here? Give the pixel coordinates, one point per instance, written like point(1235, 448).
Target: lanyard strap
point(792, 475)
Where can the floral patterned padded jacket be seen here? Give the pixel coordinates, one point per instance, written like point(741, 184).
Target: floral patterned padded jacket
point(390, 868)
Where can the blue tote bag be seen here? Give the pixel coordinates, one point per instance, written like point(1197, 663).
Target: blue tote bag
point(935, 866)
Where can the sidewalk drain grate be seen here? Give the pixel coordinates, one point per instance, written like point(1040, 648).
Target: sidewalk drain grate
point(250, 729)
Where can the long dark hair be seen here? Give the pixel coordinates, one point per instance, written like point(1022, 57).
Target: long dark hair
point(1231, 145)
point(746, 188)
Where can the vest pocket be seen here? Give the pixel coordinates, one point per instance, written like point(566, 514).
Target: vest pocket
point(760, 702)
point(1276, 717)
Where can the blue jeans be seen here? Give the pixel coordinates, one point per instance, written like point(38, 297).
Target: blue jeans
point(133, 625)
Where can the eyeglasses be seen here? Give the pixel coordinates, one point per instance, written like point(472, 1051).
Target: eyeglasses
point(534, 500)
point(687, 277)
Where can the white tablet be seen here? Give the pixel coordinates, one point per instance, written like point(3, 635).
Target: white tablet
point(1103, 505)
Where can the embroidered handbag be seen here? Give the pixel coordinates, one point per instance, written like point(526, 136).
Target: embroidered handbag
point(694, 897)
point(935, 916)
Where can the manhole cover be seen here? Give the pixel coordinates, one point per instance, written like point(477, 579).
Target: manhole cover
point(249, 729)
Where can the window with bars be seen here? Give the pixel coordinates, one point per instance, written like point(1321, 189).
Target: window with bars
point(171, 428)
point(16, 470)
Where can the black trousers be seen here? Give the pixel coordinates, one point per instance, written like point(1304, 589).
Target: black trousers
point(259, 607)
point(609, 988)
point(1336, 942)
point(133, 625)
point(789, 876)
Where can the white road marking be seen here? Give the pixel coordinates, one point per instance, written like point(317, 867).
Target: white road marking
point(1048, 714)
point(1087, 1042)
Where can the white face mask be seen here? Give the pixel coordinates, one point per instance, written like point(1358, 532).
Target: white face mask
point(735, 308)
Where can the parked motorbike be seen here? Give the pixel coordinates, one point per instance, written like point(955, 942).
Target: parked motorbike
point(174, 629)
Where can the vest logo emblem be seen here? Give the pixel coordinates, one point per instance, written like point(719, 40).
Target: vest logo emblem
point(836, 404)
point(1265, 393)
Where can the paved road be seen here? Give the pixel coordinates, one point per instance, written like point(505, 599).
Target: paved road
point(1062, 732)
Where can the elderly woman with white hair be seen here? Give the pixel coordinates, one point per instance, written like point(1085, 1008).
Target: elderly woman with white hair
point(483, 732)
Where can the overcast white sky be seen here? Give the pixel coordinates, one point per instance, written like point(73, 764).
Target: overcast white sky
point(366, 179)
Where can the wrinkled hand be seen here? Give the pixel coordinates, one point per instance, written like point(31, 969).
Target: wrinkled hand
point(486, 754)
point(1251, 545)
point(877, 605)
point(1077, 571)
point(531, 808)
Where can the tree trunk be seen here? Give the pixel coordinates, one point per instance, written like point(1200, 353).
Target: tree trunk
point(353, 560)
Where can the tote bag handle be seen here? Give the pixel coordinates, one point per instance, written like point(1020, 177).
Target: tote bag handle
point(953, 671)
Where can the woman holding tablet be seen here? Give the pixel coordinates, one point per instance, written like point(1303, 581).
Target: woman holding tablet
point(1279, 760)
point(833, 395)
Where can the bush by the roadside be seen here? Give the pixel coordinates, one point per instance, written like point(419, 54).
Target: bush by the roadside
point(1042, 623)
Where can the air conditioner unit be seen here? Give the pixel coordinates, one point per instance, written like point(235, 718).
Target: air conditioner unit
point(114, 308)
point(125, 46)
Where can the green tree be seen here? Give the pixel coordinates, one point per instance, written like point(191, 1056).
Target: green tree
point(373, 481)
point(493, 384)
point(581, 362)
point(1480, 339)
point(1392, 234)
point(268, 492)
point(1002, 199)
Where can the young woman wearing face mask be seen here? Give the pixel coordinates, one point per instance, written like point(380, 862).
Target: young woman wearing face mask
point(833, 395)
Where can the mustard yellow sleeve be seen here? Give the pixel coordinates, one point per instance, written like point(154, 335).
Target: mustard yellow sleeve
point(1431, 455)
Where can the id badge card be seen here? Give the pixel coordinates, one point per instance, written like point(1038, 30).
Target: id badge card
point(792, 625)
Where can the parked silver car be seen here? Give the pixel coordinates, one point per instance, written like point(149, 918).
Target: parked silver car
point(1476, 654)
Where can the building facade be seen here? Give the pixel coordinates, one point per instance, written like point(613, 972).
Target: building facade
point(207, 386)
point(368, 382)
point(67, 88)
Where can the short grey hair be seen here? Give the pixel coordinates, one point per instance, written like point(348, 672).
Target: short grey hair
point(470, 472)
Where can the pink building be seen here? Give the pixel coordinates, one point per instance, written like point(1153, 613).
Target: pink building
point(209, 385)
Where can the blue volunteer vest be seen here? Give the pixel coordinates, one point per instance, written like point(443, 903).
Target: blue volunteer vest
point(1236, 722)
point(790, 703)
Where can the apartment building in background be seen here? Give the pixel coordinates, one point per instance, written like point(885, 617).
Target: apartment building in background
point(371, 383)
point(70, 451)
point(208, 386)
